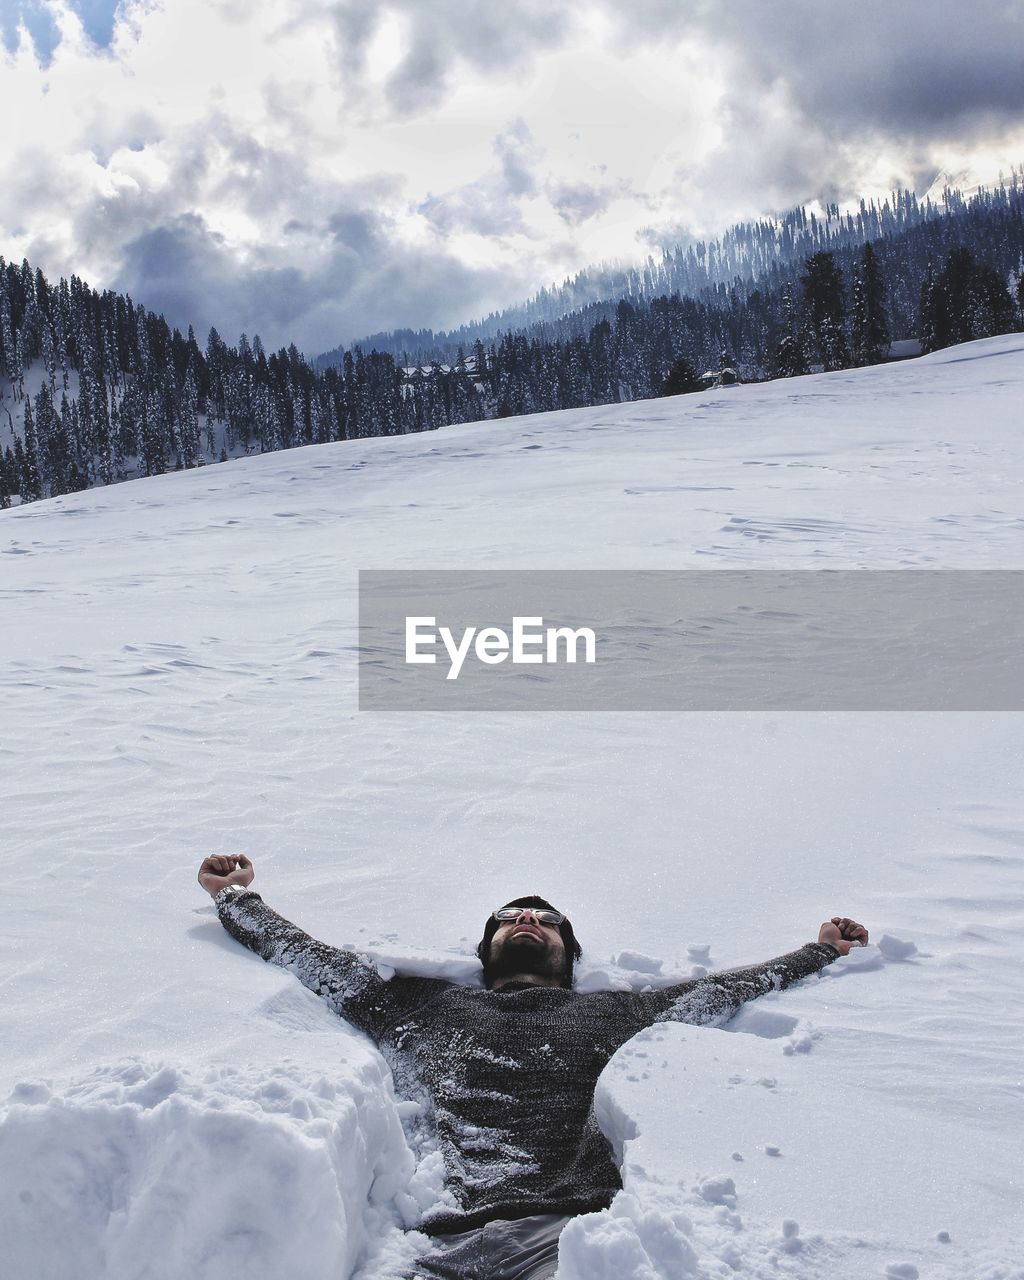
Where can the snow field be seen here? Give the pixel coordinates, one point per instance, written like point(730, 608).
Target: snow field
point(179, 678)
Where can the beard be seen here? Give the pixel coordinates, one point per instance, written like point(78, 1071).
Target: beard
point(525, 955)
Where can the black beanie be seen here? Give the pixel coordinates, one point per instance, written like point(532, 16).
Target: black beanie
point(573, 950)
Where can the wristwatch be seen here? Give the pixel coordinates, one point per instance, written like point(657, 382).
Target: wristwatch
point(233, 888)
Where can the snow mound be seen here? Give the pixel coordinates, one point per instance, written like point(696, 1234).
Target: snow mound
point(629, 1241)
point(896, 948)
point(214, 1176)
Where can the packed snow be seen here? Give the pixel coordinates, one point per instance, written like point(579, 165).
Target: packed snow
point(179, 657)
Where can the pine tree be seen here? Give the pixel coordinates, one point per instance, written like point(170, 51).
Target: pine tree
point(78, 461)
point(993, 309)
point(106, 463)
point(8, 351)
point(129, 415)
point(49, 356)
point(682, 379)
point(599, 354)
point(789, 360)
point(154, 437)
point(479, 361)
point(18, 371)
point(52, 443)
point(30, 468)
point(188, 422)
point(927, 327)
point(965, 302)
point(823, 295)
point(870, 321)
point(954, 298)
point(21, 465)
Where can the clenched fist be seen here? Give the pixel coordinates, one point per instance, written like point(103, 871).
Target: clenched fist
point(222, 869)
point(843, 933)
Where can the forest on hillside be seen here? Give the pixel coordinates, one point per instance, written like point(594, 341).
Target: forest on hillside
point(95, 389)
point(748, 256)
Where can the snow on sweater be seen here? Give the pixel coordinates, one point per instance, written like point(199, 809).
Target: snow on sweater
point(509, 1074)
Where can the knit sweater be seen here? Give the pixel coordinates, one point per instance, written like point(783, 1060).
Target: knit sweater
point(509, 1074)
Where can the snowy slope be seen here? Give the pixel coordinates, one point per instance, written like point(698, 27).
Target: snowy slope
point(179, 678)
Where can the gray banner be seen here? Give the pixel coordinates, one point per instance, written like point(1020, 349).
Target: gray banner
point(701, 640)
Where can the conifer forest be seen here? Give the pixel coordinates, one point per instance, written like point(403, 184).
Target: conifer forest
point(95, 389)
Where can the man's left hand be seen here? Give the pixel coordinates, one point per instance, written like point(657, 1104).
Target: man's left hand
point(221, 869)
point(843, 933)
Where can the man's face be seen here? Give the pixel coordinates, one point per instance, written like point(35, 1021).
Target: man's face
point(526, 946)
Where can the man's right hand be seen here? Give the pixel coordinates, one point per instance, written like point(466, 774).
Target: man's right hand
point(843, 933)
point(222, 869)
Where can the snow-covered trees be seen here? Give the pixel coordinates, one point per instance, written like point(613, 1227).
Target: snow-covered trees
point(825, 306)
point(965, 301)
point(789, 360)
point(682, 379)
point(31, 483)
point(870, 322)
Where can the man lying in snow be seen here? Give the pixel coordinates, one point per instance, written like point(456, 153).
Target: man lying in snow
point(510, 1069)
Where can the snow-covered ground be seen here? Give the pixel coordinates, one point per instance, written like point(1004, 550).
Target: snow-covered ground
point(179, 677)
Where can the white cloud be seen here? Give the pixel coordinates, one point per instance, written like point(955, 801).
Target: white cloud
point(317, 170)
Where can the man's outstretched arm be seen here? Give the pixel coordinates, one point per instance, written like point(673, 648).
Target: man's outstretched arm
point(349, 983)
point(714, 999)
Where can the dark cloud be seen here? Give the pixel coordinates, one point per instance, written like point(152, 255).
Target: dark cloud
point(429, 289)
point(186, 272)
point(774, 157)
point(930, 69)
point(189, 274)
point(442, 37)
point(333, 269)
point(518, 155)
point(575, 202)
point(358, 230)
point(482, 208)
point(420, 80)
point(355, 24)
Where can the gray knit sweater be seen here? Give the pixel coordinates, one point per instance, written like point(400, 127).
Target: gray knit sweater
point(509, 1074)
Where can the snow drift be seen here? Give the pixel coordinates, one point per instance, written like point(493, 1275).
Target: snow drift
point(179, 677)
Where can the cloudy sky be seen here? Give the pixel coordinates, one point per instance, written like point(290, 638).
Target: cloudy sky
point(315, 170)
